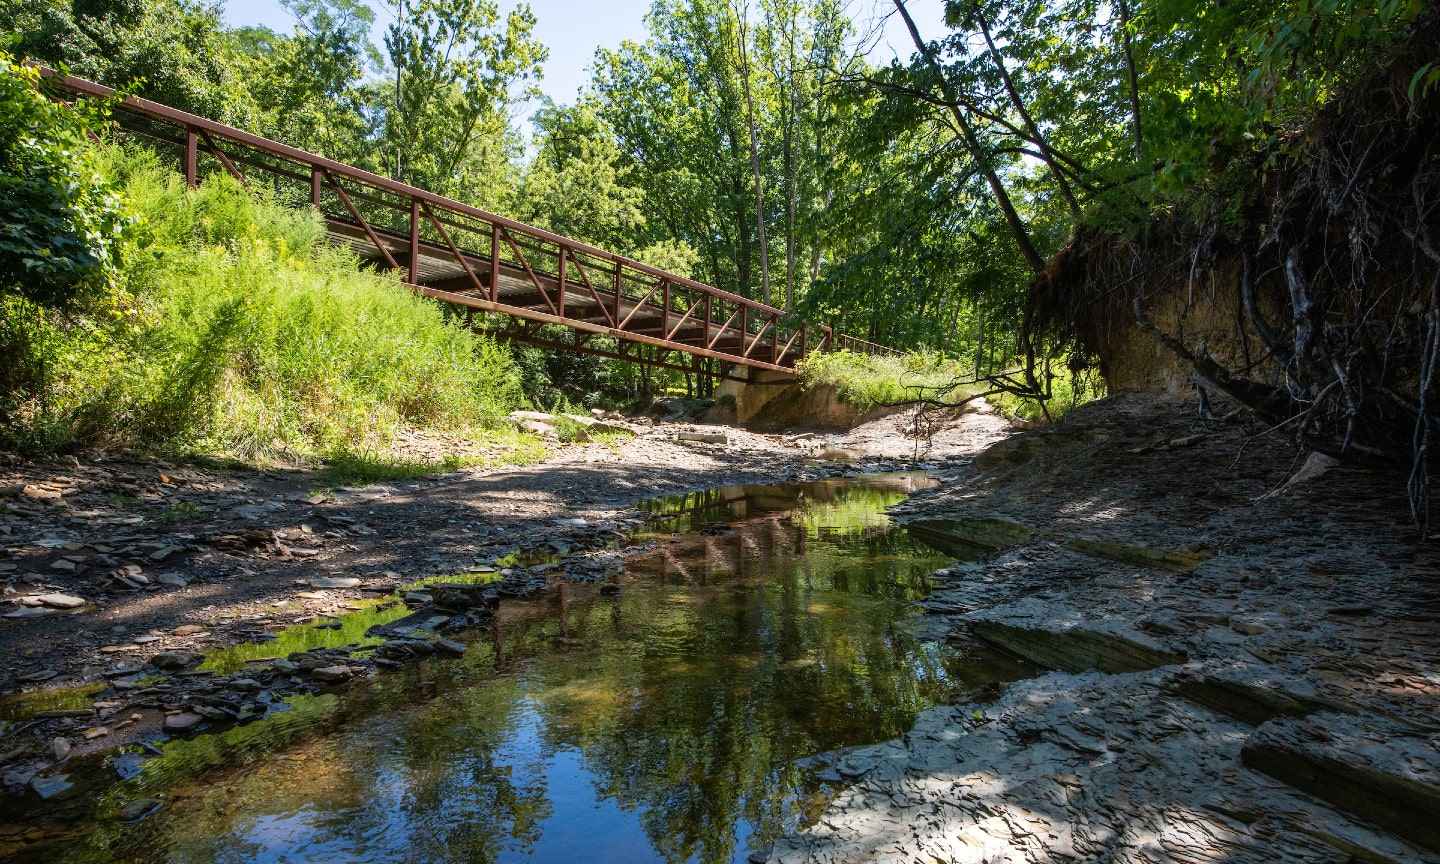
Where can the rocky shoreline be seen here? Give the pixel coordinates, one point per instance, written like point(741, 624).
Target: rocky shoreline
point(1243, 669)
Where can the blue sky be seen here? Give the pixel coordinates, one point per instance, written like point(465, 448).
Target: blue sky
point(573, 29)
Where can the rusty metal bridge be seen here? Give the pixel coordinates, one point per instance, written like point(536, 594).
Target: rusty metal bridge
point(478, 261)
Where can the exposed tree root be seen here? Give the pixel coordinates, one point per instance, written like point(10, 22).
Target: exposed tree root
point(1332, 279)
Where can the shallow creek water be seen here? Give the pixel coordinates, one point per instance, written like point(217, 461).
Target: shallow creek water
point(670, 716)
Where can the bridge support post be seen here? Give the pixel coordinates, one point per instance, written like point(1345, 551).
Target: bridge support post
point(192, 154)
point(412, 273)
point(758, 388)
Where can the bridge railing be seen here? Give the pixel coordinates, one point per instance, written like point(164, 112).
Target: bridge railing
point(475, 259)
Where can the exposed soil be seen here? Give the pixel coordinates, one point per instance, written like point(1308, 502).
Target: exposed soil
point(1245, 669)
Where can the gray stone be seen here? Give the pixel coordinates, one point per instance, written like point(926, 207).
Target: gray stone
point(334, 581)
point(49, 787)
point(165, 552)
point(62, 601)
point(449, 646)
point(175, 659)
point(332, 674)
point(138, 809)
point(183, 721)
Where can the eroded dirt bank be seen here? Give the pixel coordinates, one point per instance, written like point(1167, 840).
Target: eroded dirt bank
point(1243, 671)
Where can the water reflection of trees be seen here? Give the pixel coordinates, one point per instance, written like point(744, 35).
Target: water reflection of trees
point(688, 699)
point(752, 650)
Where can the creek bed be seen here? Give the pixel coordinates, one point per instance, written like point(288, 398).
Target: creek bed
point(670, 716)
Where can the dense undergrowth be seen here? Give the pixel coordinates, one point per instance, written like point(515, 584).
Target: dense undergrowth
point(227, 326)
point(868, 381)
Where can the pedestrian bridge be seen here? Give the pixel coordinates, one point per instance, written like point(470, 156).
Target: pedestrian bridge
point(474, 260)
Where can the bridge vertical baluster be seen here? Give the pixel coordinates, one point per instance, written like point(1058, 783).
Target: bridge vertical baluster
point(494, 262)
point(705, 339)
point(192, 153)
point(316, 181)
point(803, 328)
point(665, 311)
point(560, 301)
point(413, 265)
point(774, 336)
point(617, 293)
point(744, 329)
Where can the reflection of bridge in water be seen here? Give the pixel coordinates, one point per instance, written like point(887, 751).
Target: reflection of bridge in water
point(728, 530)
point(473, 260)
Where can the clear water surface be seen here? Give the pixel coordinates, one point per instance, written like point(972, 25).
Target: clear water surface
point(666, 717)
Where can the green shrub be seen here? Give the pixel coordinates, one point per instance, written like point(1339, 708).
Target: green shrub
point(63, 231)
point(241, 332)
point(865, 381)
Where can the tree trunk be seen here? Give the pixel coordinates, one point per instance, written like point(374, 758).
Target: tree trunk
point(791, 172)
point(754, 160)
point(1139, 134)
point(972, 141)
point(1030, 127)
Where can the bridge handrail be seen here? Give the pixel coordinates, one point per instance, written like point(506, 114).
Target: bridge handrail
point(174, 115)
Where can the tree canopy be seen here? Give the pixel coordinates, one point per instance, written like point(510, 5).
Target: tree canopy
point(755, 146)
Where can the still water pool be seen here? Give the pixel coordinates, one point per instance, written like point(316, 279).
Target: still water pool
point(665, 717)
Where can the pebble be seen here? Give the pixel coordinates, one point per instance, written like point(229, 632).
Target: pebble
point(330, 674)
point(188, 630)
point(60, 747)
point(172, 580)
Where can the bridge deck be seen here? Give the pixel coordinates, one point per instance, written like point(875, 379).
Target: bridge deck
point(479, 261)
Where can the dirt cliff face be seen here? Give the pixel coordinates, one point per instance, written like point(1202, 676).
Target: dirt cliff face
point(1314, 303)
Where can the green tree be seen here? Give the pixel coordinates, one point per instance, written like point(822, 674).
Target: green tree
point(455, 75)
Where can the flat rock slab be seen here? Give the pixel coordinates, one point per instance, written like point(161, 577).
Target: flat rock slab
point(183, 721)
point(704, 437)
point(334, 582)
point(62, 601)
point(332, 674)
point(1371, 767)
point(1067, 768)
point(175, 659)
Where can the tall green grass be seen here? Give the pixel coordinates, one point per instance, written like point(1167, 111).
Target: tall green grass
point(239, 331)
point(865, 382)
